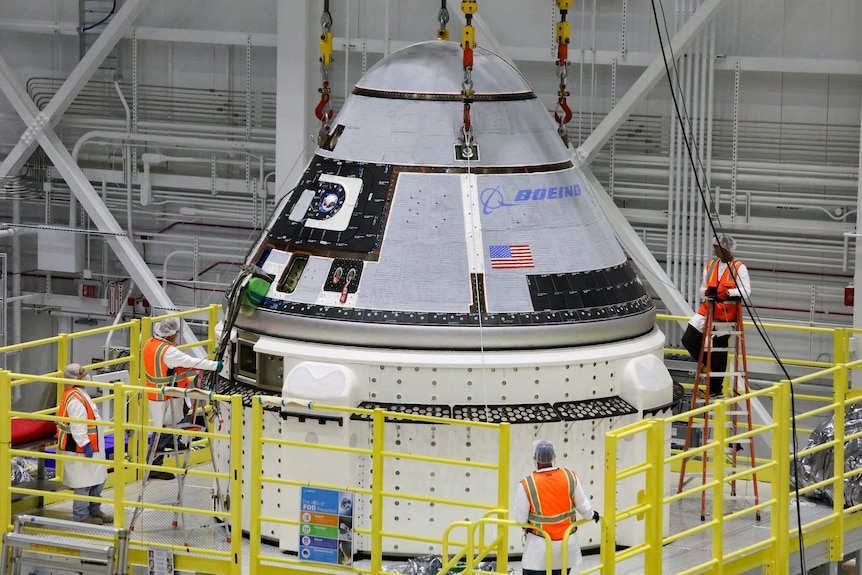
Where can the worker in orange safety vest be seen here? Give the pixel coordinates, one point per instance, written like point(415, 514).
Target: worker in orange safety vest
point(87, 442)
point(165, 365)
point(549, 498)
point(724, 278)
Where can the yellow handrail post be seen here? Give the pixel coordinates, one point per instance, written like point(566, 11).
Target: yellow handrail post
point(130, 412)
point(212, 311)
point(138, 406)
point(836, 542)
point(5, 445)
point(505, 432)
point(718, 463)
point(255, 488)
point(377, 493)
point(120, 468)
point(609, 521)
point(654, 478)
point(780, 526)
point(62, 362)
point(62, 355)
point(840, 345)
point(236, 484)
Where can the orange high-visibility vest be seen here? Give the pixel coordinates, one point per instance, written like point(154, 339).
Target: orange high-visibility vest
point(723, 311)
point(65, 441)
point(552, 500)
point(157, 372)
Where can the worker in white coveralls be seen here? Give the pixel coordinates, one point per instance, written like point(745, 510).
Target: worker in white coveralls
point(86, 441)
point(548, 499)
point(165, 365)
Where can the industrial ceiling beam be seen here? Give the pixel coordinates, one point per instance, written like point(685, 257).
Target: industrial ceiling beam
point(647, 81)
point(39, 131)
point(75, 82)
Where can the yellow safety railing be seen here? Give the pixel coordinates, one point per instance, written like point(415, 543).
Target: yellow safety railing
point(825, 333)
point(478, 547)
point(378, 492)
point(773, 551)
point(129, 422)
point(489, 534)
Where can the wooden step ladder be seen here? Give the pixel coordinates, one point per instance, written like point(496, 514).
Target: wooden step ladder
point(738, 409)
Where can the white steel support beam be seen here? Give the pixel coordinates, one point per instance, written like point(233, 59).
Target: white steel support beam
point(630, 240)
point(855, 343)
point(75, 82)
point(647, 81)
point(297, 72)
point(122, 245)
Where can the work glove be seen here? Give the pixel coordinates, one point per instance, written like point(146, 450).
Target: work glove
point(596, 516)
point(723, 294)
point(88, 451)
point(219, 366)
point(711, 292)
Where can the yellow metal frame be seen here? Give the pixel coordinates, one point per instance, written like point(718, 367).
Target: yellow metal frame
point(488, 535)
point(774, 552)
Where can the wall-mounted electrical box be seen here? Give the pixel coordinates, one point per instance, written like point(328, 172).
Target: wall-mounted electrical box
point(60, 251)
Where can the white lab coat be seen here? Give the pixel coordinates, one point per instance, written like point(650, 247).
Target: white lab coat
point(535, 550)
point(84, 473)
point(743, 284)
point(169, 413)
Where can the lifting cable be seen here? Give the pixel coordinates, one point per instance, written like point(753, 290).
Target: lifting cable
point(562, 112)
point(443, 19)
point(468, 42)
point(716, 227)
point(323, 111)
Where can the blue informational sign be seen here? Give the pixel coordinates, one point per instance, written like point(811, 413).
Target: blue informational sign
point(326, 526)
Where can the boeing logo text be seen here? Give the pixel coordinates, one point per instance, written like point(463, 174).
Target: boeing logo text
point(548, 193)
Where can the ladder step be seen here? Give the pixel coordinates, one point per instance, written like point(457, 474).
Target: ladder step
point(722, 373)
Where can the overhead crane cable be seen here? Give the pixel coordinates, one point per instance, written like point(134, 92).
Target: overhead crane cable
point(323, 110)
point(562, 111)
point(756, 321)
point(468, 43)
point(443, 19)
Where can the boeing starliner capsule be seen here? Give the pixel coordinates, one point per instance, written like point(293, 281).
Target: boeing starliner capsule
point(417, 275)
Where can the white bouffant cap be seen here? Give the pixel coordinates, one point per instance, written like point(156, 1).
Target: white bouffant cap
point(74, 371)
point(724, 240)
point(543, 451)
point(168, 327)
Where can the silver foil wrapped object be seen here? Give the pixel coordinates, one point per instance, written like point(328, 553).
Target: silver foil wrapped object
point(818, 466)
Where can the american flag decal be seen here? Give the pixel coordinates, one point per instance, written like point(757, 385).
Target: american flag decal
point(508, 257)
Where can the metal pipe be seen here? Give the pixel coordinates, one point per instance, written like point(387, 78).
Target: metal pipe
point(195, 254)
point(168, 128)
point(117, 319)
point(691, 96)
point(16, 302)
point(127, 161)
point(179, 141)
point(346, 49)
point(671, 197)
point(679, 166)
